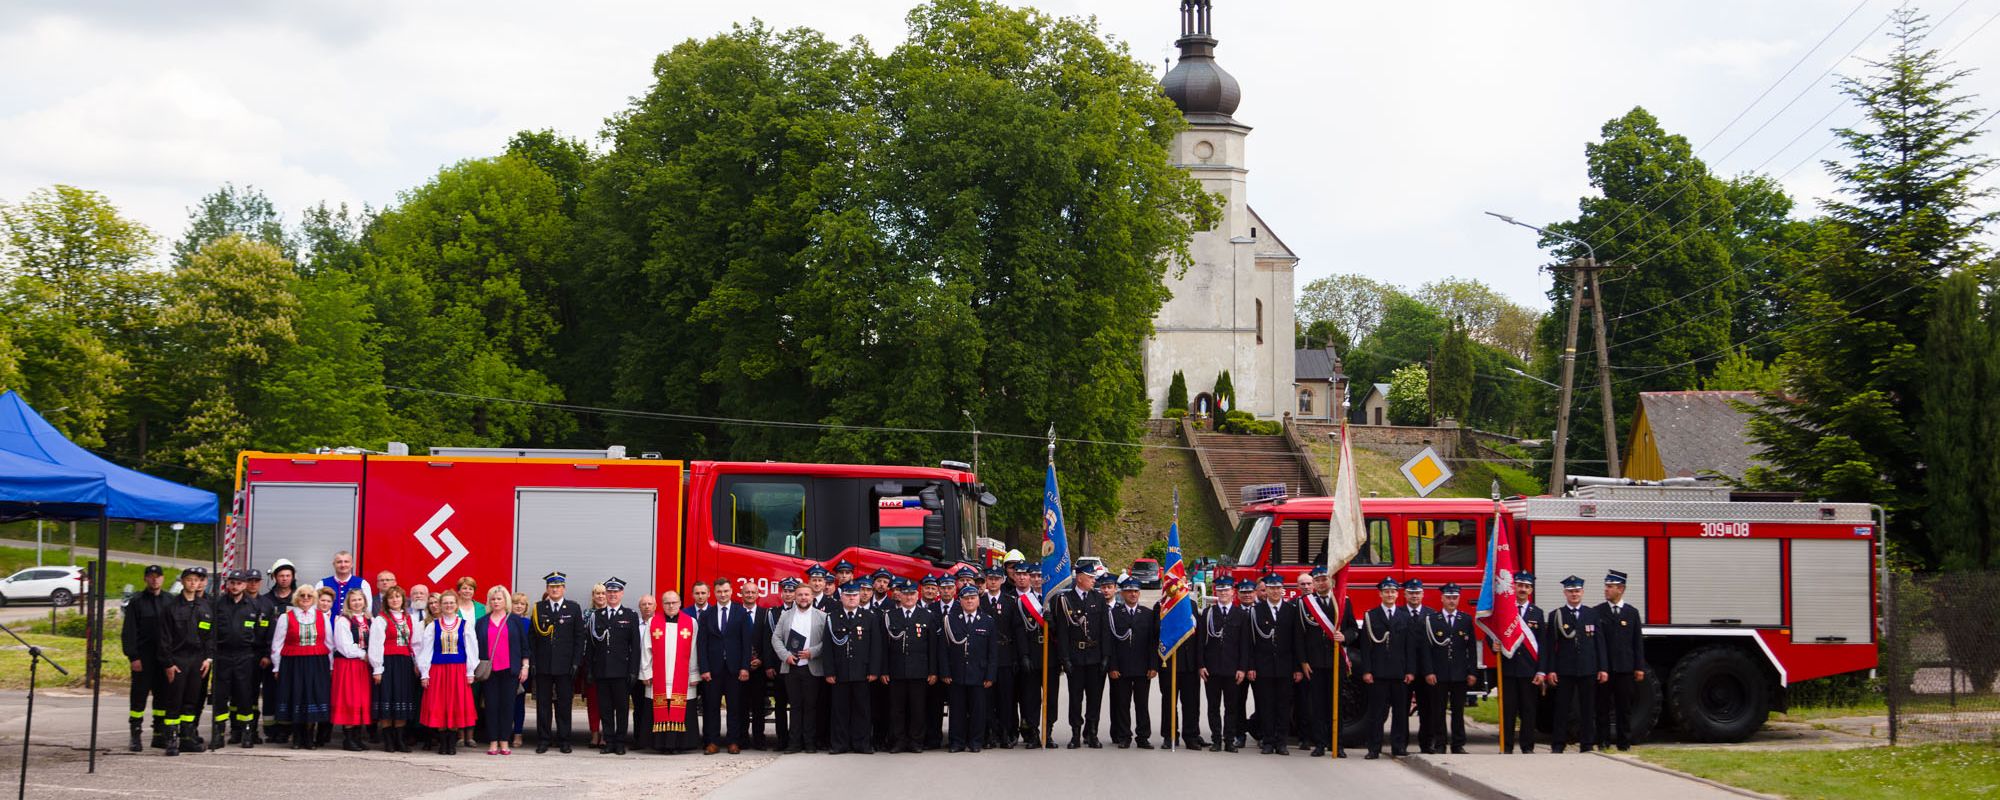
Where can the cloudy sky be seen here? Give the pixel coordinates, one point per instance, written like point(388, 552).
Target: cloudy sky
point(1382, 129)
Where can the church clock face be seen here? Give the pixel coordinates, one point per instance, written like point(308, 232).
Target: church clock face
point(1203, 150)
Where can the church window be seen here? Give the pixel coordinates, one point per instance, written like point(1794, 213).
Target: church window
point(1305, 401)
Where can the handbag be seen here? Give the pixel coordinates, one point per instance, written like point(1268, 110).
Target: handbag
point(483, 671)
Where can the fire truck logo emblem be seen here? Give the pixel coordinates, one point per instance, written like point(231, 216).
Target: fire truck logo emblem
point(440, 542)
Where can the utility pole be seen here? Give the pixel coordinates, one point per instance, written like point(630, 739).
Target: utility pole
point(1563, 396)
point(1612, 461)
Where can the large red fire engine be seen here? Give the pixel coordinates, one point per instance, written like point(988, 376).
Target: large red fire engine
point(1741, 599)
point(510, 517)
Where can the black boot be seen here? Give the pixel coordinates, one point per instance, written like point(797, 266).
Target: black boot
point(173, 743)
point(351, 740)
point(295, 742)
point(253, 733)
point(159, 737)
point(310, 733)
point(220, 734)
point(138, 743)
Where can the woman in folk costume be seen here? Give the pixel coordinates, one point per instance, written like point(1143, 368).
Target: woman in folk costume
point(352, 679)
point(469, 612)
point(503, 646)
point(443, 649)
point(668, 671)
point(584, 685)
point(301, 655)
point(390, 642)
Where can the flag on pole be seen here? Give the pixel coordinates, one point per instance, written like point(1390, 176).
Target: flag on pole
point(1056, 570)
point(1498, 615)
point(1176, 607)
point(1347, 532)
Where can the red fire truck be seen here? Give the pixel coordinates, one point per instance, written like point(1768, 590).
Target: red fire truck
point(510, 517)
point(1741, 598)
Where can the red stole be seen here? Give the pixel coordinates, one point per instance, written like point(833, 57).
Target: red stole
point(670, 675)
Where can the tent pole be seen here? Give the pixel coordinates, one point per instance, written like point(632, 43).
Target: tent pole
point(96, 650)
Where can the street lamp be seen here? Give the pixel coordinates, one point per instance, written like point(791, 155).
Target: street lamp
point(1533, 378)
point(177, 539)
point(1546, 232)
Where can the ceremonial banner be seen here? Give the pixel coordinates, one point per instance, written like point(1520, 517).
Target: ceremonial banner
point(1056, 569)
point(1498, 613)
point(1176, 607)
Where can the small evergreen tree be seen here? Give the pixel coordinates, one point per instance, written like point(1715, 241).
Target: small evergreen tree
point(1452, 389)
point(1177, 392)
point(1955, 385)
point(1225, 392)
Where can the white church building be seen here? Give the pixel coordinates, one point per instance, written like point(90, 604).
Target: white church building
point(1232, 307)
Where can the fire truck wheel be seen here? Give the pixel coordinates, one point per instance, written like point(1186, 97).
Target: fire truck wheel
point(1718, 694)
point(1353, 712)
point(1647, 705)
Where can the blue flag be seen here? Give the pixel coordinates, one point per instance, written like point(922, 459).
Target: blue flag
point(1176, 607)
point(1056, 570)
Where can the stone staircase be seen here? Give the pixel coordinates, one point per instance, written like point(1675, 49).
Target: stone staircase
point(1233, 461)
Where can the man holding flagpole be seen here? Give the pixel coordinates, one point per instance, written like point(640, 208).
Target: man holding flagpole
point(1057, 574)
point(1347, 533)
point(1512, 624)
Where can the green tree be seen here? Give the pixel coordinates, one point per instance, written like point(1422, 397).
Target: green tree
point(330, 238)
point(1954, 392)
point(1409, 396)
point(228, 210)
point(326, 389)
point(1224, 391)
point(1407, 334)
point(1487, 315)
point(1742, 372)
point(1352, 303)
point(1177, 396)
point(1907, 214)
point(1321, 334)
point(229, 310)
point(1451, 386)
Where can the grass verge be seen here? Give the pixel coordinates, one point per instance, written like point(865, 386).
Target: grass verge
point(1934, 770)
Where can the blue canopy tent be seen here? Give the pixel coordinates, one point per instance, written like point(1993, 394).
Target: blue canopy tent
point(32, 489)
point(33, 452)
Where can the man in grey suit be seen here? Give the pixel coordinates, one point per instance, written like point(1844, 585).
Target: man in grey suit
point(798, 639)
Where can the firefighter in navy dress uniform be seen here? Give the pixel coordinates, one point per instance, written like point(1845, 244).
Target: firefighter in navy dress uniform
point(1521, 676)
point(1077, 615)
point(1386, 659)
point(242, 639)
point(1430, 734)
point(971, 657)
point(856, 661)
point(914, 661)
point(1624, 663)
point(613, 636)
point(1573, 655)
point(1223, 630)
point(1134, 663)
point(141, 641)
point(556, 624)
point(1272, 663)
point(187, 647)
point(1315, 656)
point(1451, 662)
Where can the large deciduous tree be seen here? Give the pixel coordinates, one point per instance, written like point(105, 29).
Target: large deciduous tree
point(229, 310)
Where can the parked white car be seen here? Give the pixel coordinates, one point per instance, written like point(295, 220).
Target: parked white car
point(57, 585)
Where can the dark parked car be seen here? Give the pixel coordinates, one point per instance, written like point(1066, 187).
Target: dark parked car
point(1148, 572)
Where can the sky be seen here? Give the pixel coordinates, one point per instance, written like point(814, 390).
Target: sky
point(1382, 130)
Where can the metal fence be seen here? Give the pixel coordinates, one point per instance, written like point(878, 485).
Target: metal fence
point(1941, 657)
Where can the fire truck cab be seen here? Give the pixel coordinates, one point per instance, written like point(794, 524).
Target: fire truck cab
point(510, 517)
point(1741, 599)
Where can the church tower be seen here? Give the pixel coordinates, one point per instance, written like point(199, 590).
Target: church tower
point(1232, 307)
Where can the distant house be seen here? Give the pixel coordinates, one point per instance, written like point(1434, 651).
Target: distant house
point(1317, 384)
point(1690, 435)
point(1372, 407)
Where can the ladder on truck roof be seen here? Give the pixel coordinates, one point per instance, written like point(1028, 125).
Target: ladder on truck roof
point(1689, 502)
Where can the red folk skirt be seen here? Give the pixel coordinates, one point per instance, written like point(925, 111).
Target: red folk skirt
point(352, 699)
point(448, 699)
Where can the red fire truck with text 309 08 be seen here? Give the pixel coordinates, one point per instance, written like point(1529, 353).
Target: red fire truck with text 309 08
point(512, 516)
point(1741, 599)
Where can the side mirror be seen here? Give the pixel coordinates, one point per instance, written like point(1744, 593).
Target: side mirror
point(988, 500)
point(928, 497)
point(933, 547)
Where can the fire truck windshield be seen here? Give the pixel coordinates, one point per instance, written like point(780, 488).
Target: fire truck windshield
point(1249, 539)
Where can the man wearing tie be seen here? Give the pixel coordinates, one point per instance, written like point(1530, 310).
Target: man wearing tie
point(1521, 676)
point(1624, 661)
point(1134, 662)
point(1387, 656)
point(1450, 663)
point(1574, 654)
point(727, 641)
point(971, 663)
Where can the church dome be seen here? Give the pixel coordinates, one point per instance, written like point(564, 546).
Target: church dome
point(1204, 91)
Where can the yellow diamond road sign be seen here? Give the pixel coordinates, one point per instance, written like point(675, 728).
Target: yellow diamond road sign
point(1426, 472)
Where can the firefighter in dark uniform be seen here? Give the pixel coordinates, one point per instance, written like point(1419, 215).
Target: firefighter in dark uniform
point(971, 659)
point(930, 596)
point(1315, 654)
point(612, 638)
point(1624, 663)
point(1573, 653)
point(242, 647)
point(1134, 662)
point(1521, 676)
point(1451, 664)
point(1430, 733)
point(765, 682)
point(187, 647)
point(555, 624)
point(1223, 630)
point(1030, 642)
point(1077, 615)
point(267, 613)
point(1272, 664)
point(877, 597)
point(997, 602)
point(141, 641)
point(911, 643)
point(827, 601)
point(1386, 659)
point(856, 661)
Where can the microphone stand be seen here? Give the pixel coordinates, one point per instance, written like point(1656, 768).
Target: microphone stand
point(35, 658)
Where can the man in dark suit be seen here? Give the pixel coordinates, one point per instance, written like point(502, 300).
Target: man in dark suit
point(1134, 662)
point(971, 662)
point(1223, 629)
point(1273, 663)
point(727, 642)
point(931, 597)
point(1314, 652)
point(1451, 663)
point(556, 625)
point(1077, 615)
point(1387, 662)
point(1521, 676)
point(1030, 642)
point(1430, 732)
point(1573, 653)
point(1185, 680)
point(763, 667)
point(1624, 662)
point(912, 643)
point(1002, 726)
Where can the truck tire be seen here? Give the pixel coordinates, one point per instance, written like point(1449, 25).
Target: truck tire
point(1353, 711)
point(1647, 703)
point(1718, 694)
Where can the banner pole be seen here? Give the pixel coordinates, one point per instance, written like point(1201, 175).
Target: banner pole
point(1044, 732)
point(1338, 659)
point(1174, 699)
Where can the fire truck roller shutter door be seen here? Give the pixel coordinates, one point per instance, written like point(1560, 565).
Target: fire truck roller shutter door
point(1725, 579)
point(590, 534)
point(304, 522)
point(1588, 557)
point(1830, 587)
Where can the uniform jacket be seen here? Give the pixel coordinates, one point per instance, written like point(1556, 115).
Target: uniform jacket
point(1272, 639)
point(1079, 627)
point(1224, 638)
point(910, 640)
point(557, 629)
point(854, 646)
point(613, 637)
point(971, 649)
point(767, 619)
point(1388, 644)
point(187, 632)
point(1312, 646)
point(1572, 644)
point(1028, 638)
point(1449, 648)
point(1624, 645)
point(241, 627)
point(141, 637)
point(1003, 611)
point(1135, 640)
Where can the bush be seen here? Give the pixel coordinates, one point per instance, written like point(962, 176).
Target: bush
point(1244, 422)
point(1834, 691)
point(1155, 550)
point(1177, 398)
point(1409, 396)
point(1175, 412)
point(1225, 389)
